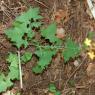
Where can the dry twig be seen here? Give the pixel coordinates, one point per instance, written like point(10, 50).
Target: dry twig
point(74, 72)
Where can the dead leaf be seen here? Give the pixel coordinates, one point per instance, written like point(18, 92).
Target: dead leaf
point(60, 15)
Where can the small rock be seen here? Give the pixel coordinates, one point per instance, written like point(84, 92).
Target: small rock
point(76, 63)
point(60, 33)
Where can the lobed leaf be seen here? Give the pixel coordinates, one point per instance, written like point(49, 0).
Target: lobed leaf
point(4, 83)
point(22, 32)
point(50, 33)
point(31, 13)
point(71, 50)
point(45, 56)
point(26, 57)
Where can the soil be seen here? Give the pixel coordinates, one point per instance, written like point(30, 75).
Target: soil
point(77, 23)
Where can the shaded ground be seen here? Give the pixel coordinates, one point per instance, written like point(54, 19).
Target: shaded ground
point(77, 23)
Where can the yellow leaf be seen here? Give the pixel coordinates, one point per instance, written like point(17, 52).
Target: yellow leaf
point(91, 55)
point(87, 42)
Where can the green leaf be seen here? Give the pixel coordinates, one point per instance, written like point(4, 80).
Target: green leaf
point(50, 33)
point(45, 56)
point(37, 69)
point(4, 83)
point(14, 73)
point(13, 60)
point(13, 68)
point(91, 35)
point(52, 88)
point(36, 24)
point(2, 77)
point(20, 33)
point(31, 13)
point(30, 35)
point(8, 82)
point(16, 35)
point(57, 93)
point(26, 57)
point(71, 50)
point(35, 13)
point(16, 24)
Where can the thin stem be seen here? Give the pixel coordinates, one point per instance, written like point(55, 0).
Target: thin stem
point(47, 46)
point(20, 70)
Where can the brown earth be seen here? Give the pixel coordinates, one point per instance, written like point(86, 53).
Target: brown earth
point(77, 23)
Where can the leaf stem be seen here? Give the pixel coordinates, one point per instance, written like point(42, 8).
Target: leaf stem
point(47, 46)
point(20, 70)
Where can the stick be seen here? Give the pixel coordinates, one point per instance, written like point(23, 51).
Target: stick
point(41, 3)
point(20, 70)
point(91, 7)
